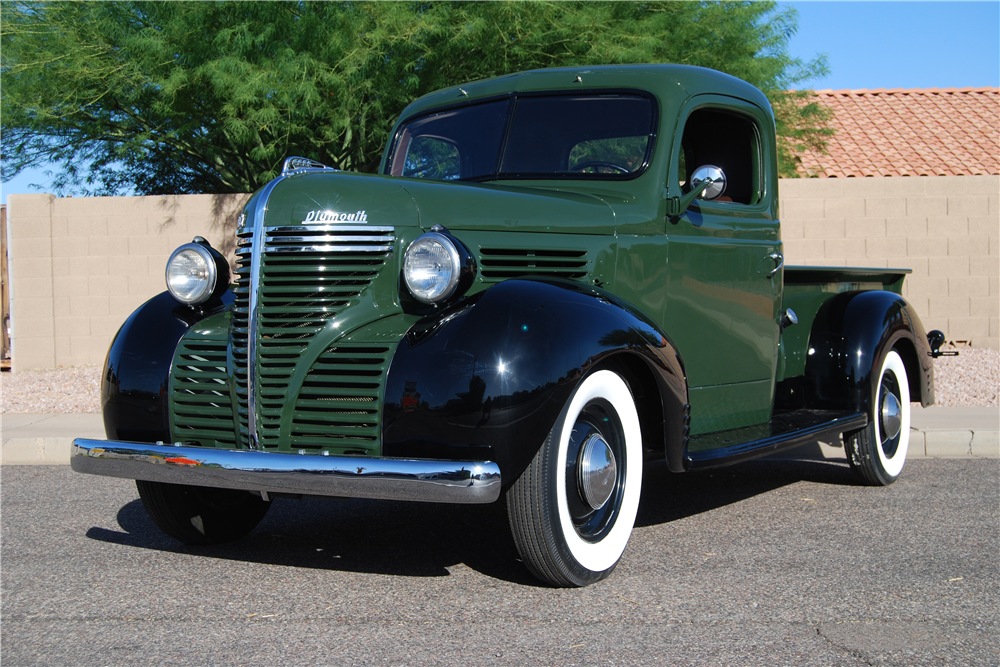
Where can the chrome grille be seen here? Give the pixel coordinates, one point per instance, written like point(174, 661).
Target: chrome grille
point(240, 326)
point(308, 274)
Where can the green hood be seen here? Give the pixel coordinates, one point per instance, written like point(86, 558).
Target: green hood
point(488, 207)
point(383, 200)
point(343, 197)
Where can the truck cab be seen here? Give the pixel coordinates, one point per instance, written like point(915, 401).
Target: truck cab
point(555, 277)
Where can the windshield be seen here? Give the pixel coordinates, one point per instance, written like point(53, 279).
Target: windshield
point(605, 136)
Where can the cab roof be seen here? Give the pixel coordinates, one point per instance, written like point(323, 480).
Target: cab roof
point(664, 81)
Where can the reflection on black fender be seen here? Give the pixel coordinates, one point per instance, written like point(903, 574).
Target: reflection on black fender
point(487, 378)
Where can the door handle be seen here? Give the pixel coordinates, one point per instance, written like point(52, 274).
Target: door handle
point(779, 261)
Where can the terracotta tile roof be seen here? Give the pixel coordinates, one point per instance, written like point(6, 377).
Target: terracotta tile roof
point(910, 132)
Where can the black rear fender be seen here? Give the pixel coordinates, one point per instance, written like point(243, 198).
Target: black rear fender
point(850, 336)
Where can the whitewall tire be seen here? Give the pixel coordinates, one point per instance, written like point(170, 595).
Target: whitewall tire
point(878, 451)
point(573, 508)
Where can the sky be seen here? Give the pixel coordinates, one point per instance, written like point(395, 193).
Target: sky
point(899, 44)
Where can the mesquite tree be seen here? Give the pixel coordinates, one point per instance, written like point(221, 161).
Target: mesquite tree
point(209, 97)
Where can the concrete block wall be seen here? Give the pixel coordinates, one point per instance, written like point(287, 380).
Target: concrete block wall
point(80, 266)
point(945, 228)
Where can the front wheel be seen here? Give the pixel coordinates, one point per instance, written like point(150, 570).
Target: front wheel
point(878, 451)
point(201, 515)
point(572, 510)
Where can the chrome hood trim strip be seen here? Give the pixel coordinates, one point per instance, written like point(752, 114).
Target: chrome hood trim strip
point(339, 227)
point(382, 249)
point(472, 482)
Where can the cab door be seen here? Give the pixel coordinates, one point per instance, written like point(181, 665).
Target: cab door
point(723, 299)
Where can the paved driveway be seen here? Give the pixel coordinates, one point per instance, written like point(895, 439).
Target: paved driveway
point(772, 562)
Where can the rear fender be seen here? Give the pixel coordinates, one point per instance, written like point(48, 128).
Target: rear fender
point(487, 378)
point(850, 336)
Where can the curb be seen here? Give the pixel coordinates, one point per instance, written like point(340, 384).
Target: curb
point(954, 444)
point(35, 451)
point(45, 439)
point(936, 433)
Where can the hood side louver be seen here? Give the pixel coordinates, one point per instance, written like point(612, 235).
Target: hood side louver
point(497, 264)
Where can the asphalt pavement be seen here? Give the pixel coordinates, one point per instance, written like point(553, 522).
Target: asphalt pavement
point(772, 562)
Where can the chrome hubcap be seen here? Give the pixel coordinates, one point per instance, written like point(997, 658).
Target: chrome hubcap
point(597, 471)
point(892, 418)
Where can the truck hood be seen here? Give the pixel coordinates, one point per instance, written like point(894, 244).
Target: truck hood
point(474, 206)
point(342, 197)
point(318, 197)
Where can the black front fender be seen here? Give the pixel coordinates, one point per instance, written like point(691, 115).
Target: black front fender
point(137, 369)
point(486, 379)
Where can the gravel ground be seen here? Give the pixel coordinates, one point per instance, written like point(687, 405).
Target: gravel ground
point(968, 380)
point(62, 390)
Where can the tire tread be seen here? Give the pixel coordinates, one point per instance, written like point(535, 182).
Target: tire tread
point(172, 506)
point(859, 447)
point(528, 511)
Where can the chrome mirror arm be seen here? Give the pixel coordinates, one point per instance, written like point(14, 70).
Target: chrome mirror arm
point(677, 205)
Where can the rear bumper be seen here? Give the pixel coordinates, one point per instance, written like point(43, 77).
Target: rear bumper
point(469, 482)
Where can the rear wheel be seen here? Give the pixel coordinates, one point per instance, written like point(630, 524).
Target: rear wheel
point(201, 515)
point(878, 451)
point(572, 510)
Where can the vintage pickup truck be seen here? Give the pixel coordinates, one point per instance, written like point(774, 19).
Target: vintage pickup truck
point(555, 276)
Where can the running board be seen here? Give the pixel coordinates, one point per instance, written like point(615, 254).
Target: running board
point(785, 431)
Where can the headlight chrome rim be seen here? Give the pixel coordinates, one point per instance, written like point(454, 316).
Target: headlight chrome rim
point(192, 296)
point(439, 293)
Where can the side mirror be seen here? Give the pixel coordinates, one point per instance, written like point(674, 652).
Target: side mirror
point(714, 176)
point(708, 182)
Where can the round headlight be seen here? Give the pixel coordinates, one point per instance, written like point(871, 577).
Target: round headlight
point(191, 274)
point(431, 268)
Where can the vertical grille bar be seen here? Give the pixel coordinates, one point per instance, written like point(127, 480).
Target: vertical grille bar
point(255, 266)
point(240, 329)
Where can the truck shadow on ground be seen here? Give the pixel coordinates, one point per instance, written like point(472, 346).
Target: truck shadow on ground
point(425, 540)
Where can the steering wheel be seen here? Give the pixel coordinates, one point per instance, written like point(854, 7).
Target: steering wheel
point(597, 164)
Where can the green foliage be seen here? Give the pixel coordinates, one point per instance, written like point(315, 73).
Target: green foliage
point(165, 97)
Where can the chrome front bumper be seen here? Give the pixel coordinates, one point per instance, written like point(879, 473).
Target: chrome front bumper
point(348, 476)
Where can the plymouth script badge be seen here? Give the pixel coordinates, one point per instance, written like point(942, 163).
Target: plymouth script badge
point(334, 216)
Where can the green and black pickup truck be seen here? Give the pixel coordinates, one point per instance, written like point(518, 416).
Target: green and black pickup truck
point(555, 277)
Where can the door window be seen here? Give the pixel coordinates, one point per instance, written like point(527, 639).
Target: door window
point(728, 140)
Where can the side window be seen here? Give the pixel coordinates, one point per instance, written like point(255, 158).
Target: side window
point(727, 140)
point(430, 157)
